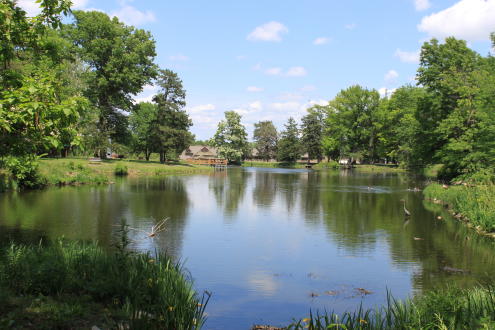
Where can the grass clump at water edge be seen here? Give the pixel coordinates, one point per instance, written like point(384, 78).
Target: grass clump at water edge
point(475, 203)
point(77, 285)
point(121, 170)
point(450, 308)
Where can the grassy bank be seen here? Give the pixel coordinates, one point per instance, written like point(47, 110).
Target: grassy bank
point(473, 204)
point(443, 309)
point(81, 171)
point(77, 286)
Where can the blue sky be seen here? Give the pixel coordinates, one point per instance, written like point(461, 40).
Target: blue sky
point(272, 59)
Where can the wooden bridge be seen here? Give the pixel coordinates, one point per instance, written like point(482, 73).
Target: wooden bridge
point(216, 162)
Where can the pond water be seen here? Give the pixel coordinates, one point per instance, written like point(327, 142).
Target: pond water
point(271, 244)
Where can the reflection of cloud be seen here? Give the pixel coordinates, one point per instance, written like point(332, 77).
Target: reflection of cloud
point(263, 283)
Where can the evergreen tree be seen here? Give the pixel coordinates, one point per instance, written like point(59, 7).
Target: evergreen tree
point(289, 147)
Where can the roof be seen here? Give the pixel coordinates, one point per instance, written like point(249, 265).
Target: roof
point(200, 151)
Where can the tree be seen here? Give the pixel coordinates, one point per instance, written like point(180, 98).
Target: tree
point(446, 71)
point(140, 120)
point(231, 138)
point(169, 129)
point(289, 148)
point(312, 135)
point(37, 112)
point(352, 121)
point(121, 61)
point(398, 125)
point(265, 138)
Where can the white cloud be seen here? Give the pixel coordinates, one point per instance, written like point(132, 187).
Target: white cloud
point(273, 71)
point(132, 16)
point(290, 96)
point(240, 57)
point(32, 8)
point(317, 102)
point(201, 108)
point(296, 71)
point(407, 57)
point(271, 31)
point(285, 106)
point(308, 88)
point(321, 41)
point(422, 4)
point(178, 57)
point(350, 26)
point(256, 105)
point(146, 95)
point(471, 20)
point(391, 75)
point(386, 92)
point(254, 89)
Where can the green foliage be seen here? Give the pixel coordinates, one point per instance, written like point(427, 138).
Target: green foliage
point(312, 133)
point(448, 308)
point(169, 127)
point(474, 203)
point(289, 144)
point(24, 171)
point(121, 61)
point(352, 119)
point(231, 138)
point(136, 290)
point(121, 170)
point(265, 137)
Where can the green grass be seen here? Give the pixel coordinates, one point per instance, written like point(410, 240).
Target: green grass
point(378, 168)
point(449, 308)
point(73, 171)
point(476, 204)
point(76, 285)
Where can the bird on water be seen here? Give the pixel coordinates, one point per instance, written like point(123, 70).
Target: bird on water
point(406, 211)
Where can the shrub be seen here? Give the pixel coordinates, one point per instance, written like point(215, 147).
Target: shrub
point(121, 170)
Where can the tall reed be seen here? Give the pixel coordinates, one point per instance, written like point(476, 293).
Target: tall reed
point(147, 291)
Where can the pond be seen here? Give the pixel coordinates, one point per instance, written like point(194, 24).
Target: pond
point(271, 244)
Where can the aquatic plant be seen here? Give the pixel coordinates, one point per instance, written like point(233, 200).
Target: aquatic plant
point(449, 308)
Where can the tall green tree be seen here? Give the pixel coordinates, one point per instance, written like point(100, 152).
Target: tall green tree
point(446, 71)
point(169, 129)
point(121, 61)
point(398, 125)
point(37, 112)
point(140, 120)
point(265, 137)
point(312, 135)
point(289, 144)
point(231, 138)
point(352, 118)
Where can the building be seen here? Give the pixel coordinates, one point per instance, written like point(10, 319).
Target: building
point(199, 152)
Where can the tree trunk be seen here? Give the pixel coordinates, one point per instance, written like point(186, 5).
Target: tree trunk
point(162, 157)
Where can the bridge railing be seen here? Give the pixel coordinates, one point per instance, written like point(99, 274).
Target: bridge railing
point(208, 161)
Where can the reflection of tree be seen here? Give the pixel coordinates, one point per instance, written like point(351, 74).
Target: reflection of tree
point(228, 188)
point(86, 213)
point(265, 188)
point(311, 197)
point(288, 186)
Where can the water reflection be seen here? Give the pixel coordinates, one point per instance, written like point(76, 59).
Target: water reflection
point(271, 243)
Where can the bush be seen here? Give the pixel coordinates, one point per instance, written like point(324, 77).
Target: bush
point(24, 170)
point(121, 170)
